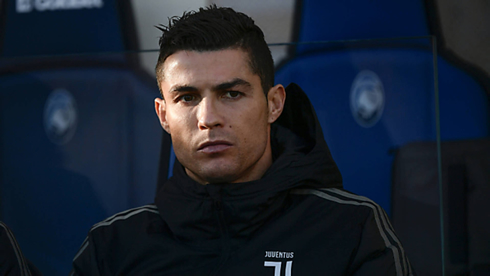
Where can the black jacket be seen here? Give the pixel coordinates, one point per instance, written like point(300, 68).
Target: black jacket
point(12, 261)
point(295, 220)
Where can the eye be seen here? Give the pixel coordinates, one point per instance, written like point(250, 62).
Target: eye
point(186, 98)
point(232, 94)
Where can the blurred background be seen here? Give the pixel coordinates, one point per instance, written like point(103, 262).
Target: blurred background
point(401, 90)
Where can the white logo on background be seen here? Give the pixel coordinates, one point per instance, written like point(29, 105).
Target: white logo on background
point(278, 264)
point(277, 267)
point(25, 6)
point(367, 98)
point(60, 116)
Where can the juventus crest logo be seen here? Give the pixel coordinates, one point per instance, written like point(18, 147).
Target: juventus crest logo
point(278, 265)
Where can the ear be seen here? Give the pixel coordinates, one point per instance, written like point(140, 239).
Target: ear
point(161, 110)
point(276, 98)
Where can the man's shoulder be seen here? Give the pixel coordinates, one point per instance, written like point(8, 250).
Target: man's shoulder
point(340, 200)
point(118, 233)
point(125, 219)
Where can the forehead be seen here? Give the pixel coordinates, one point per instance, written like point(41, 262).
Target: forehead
point(216, 66)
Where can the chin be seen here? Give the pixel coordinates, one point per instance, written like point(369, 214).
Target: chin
point(218, 171)
point(218, 177)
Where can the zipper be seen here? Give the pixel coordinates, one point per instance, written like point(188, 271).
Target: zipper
point(225, 240)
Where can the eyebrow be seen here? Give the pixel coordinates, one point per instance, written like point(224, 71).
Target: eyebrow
point(219, 87)
point(231, 84)
point(183, 88)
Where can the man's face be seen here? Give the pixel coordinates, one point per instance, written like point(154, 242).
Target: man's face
point(217, 115)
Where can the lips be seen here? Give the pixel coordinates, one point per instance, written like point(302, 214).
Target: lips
point(214, 146)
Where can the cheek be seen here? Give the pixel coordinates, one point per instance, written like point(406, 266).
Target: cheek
point(181, 131)
point(255, 132)
point(182, 146)
point(177, 122)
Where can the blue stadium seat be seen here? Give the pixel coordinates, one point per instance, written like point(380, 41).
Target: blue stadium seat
point(375, 96)
point(79, 137)
point(353, 19)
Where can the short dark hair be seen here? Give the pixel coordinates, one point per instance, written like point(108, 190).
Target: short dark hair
point(216, 28)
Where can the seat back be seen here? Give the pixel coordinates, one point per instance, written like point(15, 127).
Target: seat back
point(367, 106)
point(79, 137)
point(377, 95)
point(353, 19)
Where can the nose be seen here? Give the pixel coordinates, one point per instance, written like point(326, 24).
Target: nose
point(208, 115)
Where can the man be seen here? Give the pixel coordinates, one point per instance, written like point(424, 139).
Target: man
point(255, 190)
